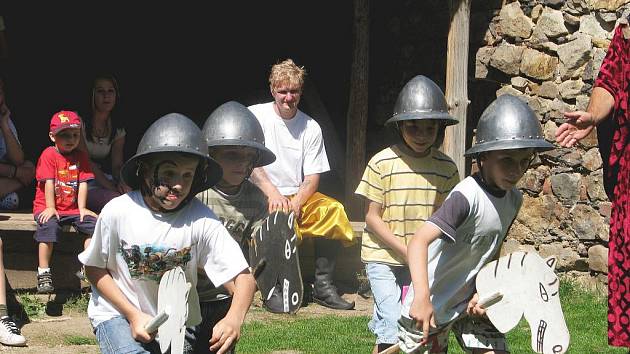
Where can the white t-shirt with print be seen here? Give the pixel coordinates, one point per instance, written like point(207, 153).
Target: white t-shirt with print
point(137, 246)
point(298, 144)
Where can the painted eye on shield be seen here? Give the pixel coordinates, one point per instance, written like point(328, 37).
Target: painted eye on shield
point(543, 292)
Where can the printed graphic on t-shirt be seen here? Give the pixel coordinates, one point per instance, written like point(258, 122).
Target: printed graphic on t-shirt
point(150, 262)
point(236, 228)
point(67, 184)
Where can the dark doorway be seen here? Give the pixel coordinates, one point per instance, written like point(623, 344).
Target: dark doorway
point(169, 59)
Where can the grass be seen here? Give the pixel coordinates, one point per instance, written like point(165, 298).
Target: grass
point(585, 314)
point(79, 340)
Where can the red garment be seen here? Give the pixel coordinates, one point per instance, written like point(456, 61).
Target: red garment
point(614, 76)
point(67, 171)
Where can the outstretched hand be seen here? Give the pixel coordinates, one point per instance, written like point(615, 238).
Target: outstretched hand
point(579, 124)
point(225, 334)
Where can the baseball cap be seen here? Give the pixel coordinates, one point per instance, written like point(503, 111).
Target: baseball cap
point(64, 120)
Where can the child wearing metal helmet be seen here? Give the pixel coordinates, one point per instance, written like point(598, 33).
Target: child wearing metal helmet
point(466, 232)
point(235, 140)
point(403, 185)
point(62, 174)
point(156, 227)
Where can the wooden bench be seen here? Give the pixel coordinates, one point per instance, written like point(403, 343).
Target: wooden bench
point(21, 221)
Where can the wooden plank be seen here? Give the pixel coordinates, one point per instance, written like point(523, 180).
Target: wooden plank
point(357, 109)
point(21, 221)
point(457, 81)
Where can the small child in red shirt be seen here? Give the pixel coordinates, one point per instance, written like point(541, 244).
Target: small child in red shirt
point(62, 174)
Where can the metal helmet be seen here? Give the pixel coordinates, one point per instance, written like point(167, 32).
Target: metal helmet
point(174, 132)
point(508, 123)
point(235, 125)
point(421, 98)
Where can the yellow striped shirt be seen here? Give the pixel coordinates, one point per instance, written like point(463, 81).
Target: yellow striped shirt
point(409, 190)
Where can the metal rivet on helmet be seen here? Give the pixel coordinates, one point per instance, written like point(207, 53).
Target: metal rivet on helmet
point(173, 132)
point(508, 123)
point(421, 98)
point(233, 124)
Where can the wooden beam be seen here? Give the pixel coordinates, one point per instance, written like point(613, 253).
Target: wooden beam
point(357, 109)
point(457, 81)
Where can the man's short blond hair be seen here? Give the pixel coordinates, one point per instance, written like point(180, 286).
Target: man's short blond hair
point(286, 72)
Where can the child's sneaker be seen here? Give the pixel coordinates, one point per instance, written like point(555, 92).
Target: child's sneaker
point(10, 333)
point(44, 283)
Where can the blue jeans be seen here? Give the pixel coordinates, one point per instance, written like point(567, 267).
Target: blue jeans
point(114, 337)
point(386, 283)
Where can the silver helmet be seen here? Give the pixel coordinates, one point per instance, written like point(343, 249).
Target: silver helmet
point(421, 98)
point(174, 132)
point(508, 123)
point(235, 125)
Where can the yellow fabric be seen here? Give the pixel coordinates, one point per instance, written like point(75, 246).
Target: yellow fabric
point(409, 190)
point(323, 216)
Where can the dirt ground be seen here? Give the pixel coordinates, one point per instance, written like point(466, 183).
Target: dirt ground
point(61, 334)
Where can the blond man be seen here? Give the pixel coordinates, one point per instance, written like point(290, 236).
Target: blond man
point(290, 183)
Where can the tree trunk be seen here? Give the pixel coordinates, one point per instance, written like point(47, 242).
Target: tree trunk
point(357, 109)
point(457, 81)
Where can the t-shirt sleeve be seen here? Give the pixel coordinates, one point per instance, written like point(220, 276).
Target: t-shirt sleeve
point(46, 166)
point(85, 171)
point(315, 159)
point(371, 185)
point(451, 214)
point(219, 255)
point(98, 252)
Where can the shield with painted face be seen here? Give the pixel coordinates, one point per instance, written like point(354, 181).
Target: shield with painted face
point(530, 288)
point(274, 257)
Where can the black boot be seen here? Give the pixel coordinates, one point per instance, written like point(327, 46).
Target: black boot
point(324, 291)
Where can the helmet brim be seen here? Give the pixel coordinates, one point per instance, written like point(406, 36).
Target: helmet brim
point(266, 155)
point(213, 171)
point(537, 144)
point(443, 117)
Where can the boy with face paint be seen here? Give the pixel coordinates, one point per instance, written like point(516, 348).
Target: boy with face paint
point(403, 184)
point(154, 228)
point(466, 232)
point(235, 140)
point(62, 174)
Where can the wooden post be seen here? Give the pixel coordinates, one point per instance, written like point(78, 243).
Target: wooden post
point(357, 109)
point(457, 81)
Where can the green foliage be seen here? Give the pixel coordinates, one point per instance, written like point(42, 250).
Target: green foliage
point(32, 305)
point(78, 302)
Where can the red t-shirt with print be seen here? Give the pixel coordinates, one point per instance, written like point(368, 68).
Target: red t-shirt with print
point(67, 171)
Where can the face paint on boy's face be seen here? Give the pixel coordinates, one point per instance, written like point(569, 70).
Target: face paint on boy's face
point(171, 181)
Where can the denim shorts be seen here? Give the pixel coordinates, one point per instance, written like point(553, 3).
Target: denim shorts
point(114, 337)
point(50, 230)
point(386, 283)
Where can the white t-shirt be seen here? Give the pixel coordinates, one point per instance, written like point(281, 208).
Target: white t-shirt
point(298, 144)
point(3, 145)
point(474, 223)
point(137, 246)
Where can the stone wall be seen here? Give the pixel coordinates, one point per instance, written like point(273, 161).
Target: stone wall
point(549, 52)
